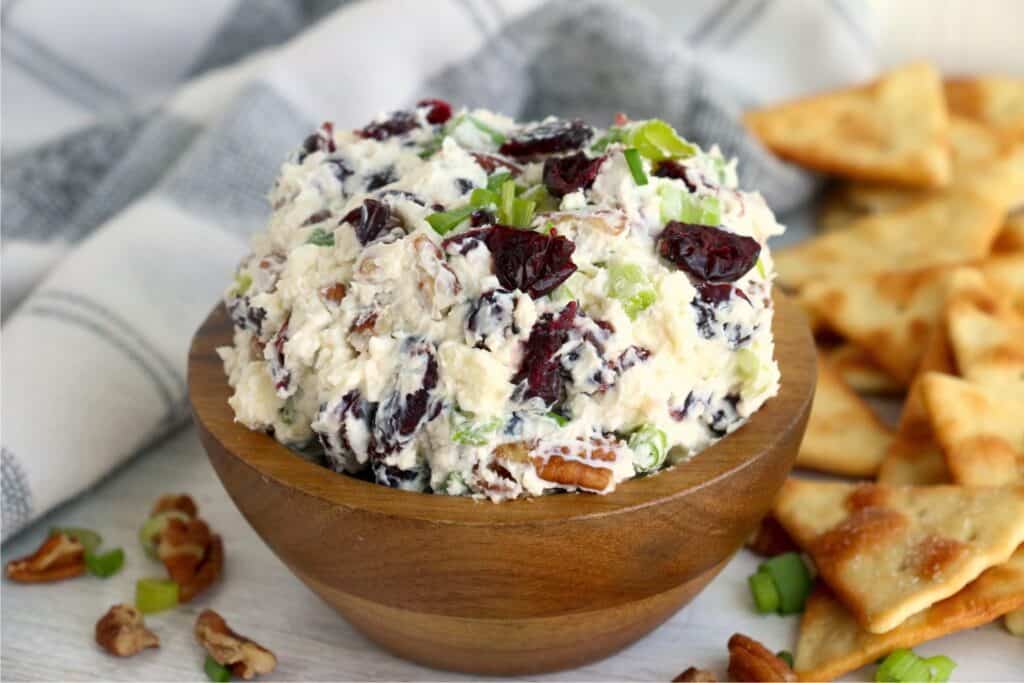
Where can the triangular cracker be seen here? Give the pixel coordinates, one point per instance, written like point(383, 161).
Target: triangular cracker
point(995, 101)
point(890, 552)
point(892, 130)
point(951, 228)
point(844, 436)
point(981, 431)
point(831, 642)
point(1011, 237)
point(1005, 273)
point(861, 371)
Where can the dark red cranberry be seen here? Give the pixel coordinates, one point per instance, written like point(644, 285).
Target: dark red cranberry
point(414, 479)
point(398, 123)
point(563, 175)
point(491, 163)
point(282, 376)
point(530, 261)
point(707, 253)
point(464, 242)
point(438, 111)
point(674, 169)
point(353, 416)
point(464, 185)
point(481, 217)
point(631, 357)
point(548, 138)
point(719, 420)
point(371, 220)
point(493, 312)
point(540, 369)
point(339, 168)
point(380, 179)
point(317, 217)
point(402, 414)
point(320, 141)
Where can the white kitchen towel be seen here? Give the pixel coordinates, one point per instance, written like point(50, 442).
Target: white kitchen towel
point(126, 231)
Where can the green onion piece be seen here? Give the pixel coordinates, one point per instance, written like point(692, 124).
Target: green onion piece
point(106, 564)
point(89, 539)
point(481, 197)
point(562, 420)
point(155, 595)
point(444, 222)
point(760, 269)
point(153, 526)
point(903, 666)
point(786, 656)
point(216, 671)
point(497, 137)
point(433, 146)
point(321, 238)
point(636, 166)
point(792, 581)
point(522, 212)
point(541, 197)
point(701, 210)
point(658, 141)
point(497, 179)
point(671, 203)
point(614, 134)
point(941, 668)
point(466, 431)
point(650, 447)
point(628, 284)
point(242, 283)
point(766, 596)
point(508, 196)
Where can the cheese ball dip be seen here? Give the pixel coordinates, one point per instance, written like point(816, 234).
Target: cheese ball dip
point(462, 304)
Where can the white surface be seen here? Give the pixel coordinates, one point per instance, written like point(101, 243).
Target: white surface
point(47, 630)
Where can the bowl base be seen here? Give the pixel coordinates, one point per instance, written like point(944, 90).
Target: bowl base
point(507, 647)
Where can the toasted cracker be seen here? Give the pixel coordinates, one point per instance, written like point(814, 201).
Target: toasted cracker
point(1005, 273)
point(844, 436)
point(981, 430)
point(995, 101)
point(987, 338)
point(914, 458)
point(894, 129)
point(890, 552)
point(1011, 237)
point(951, 228)
point(861, 371)
point(831, 642)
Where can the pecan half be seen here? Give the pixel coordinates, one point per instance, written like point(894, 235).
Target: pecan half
point(752, 662)
point(123, 633)
point(59, 557)
point(244, 657)
point(587, 465)
point(695, 675)
point(207, 572)
point(178, 502)
point(192, 554)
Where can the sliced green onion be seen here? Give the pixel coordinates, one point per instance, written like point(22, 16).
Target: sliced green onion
point(760, 269)
point(786, 656)
point(242, 283)
point(628, 284)
point(321, 238)
point(650, 447)
point(701, 210)
point(941, 668)
point(89, 539)
point(456, 481)
point(766, 596)
point(153, 526)
point(541, 198)
point(444, 222)
point(658, 141)
point(481, 197)
point(471, 433)
point(497, 179)
point(497, 137)
point(508, 197)
point(636, 166)
point(547, 227)
point(903, 666)
point(216, 671)
point(562, 420)
point(513, 210)
point(104, 565)
point(522, 212)
point(614, 134)
point(671, 203)
point(792, 581)
point(155, 595)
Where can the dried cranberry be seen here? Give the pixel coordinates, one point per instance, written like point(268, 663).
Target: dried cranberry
point(317, 217)
point(674, 169)
point(493, 312)
point(320, 141)
point(719, 421)
point(345, 445)
point(414, 479)
point(246, 316)
point(339, 169)
point(631, 357)
point(491, 163)
point(398, 123)
point(548, 138)
point(464, 185)
point(380, 179)
point(540, 369)
point(278, 372)
point(371, 220)
point(481, 217)
point(715, 293)
point(464, 242)
point(438, 111)
point(402, 414)
point(530, 261)
point(707, 253)
point(563, 175)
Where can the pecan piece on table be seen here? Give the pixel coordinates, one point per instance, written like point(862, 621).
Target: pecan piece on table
point(176, 502)
point(752, 662)
point(695, 675)
point(59, 557)
point(241, 655)
point(123, 633)
point(192, 554)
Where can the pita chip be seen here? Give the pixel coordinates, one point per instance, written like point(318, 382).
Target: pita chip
point(1005, 272)
point(891, 552)
point(832, 643)
point(994, 101)
point(980, 430)
point(1011, 237)
point(844, 436)
point(861, 371)
point(893, 130)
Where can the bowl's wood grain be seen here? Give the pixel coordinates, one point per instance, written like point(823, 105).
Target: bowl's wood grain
point(524, 586)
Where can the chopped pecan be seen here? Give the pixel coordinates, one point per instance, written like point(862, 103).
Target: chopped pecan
point(335, 293)
point(59, 557)
point(179, 502)
point(752, 662)
point(771, 539)
point(695, 675)
point(572, 467)
point(207, 572)
point(192, 554)
point(122, 632)
point(244, 657)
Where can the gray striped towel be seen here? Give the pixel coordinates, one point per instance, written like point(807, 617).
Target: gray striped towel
point(119, 235)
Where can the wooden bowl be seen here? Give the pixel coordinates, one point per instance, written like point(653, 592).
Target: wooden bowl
point(520, 587)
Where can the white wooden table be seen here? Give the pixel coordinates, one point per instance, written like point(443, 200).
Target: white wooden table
point(47, 630)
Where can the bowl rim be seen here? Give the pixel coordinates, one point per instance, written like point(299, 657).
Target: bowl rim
point(208, 391)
